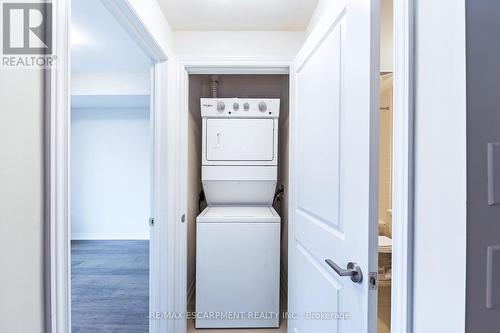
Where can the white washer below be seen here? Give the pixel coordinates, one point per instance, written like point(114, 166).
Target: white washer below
point(237, 267)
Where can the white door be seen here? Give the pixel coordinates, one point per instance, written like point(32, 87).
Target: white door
point(333, 193)
point(240, 139)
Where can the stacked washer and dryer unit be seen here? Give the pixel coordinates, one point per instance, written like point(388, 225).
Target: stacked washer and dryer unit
point(238, 234)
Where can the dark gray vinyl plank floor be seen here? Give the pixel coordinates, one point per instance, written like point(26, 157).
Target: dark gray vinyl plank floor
point(109, 286)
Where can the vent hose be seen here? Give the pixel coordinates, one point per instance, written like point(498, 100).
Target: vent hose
point(214, 85)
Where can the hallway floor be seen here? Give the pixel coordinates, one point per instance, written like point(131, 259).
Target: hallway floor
point(110, 286)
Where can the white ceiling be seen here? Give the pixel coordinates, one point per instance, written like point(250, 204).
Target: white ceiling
point(290, 15)
point(100, 44)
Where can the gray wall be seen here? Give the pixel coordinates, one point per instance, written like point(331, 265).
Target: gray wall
point(21, 229)
point(483, 126)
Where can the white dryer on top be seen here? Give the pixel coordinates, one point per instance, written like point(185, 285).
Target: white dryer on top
point(239, 150)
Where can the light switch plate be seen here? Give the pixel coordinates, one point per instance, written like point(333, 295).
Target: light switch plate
point(493, 277)
point(494, 173)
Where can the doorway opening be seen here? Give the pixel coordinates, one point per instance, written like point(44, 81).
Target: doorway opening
point(385, 184)
point(244, 86)
point(110, 174)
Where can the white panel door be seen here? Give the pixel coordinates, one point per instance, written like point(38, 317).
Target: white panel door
point(240, 139)
point(333, 193)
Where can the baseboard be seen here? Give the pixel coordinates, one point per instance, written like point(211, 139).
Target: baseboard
point(284, 284)
point(190, 292)
point(109, 236)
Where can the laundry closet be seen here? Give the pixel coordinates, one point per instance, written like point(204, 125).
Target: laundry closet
point(258, 192)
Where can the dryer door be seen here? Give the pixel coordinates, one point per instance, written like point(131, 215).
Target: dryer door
point(240, 140)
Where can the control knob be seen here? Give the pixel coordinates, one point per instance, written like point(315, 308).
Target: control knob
point(221, 106)
point(262, 106)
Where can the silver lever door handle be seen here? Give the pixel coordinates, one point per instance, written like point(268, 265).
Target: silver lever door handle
point(353, 270)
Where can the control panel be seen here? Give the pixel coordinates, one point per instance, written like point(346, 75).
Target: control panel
point(240, 108)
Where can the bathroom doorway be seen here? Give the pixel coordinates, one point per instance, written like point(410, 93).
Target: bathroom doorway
point(386, 161)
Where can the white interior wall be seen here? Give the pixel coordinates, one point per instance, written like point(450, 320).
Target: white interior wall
point(117, 83)
point(21, 201)
point(151, 15)
point(249, 86)
point(317, 14)
point(110, 173)
point(440, 167)
point(238, 43)
point(110, 155)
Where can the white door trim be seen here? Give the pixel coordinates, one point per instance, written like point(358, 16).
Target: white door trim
point(57, 277)
point(403, 167)
point(204, 65)
point(236, 65)
point(57, 256)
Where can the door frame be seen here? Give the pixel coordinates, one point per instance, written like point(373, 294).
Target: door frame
point(204, 65)
point(57, 236)
point(402, 164)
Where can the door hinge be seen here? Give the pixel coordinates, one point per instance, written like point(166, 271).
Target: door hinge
point(183, 218)
point(151, 221)
point(373, 280)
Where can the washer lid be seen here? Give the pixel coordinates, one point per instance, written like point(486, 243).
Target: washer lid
point(238, 214)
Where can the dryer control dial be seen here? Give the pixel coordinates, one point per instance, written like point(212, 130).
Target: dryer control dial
point(246, 106)
point(262, 106)
point(221, 106)
point(236, 106)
